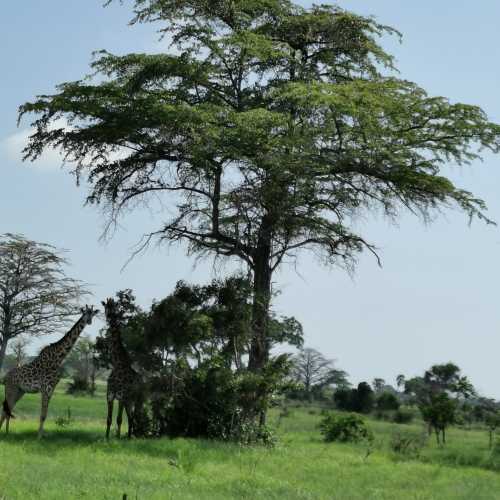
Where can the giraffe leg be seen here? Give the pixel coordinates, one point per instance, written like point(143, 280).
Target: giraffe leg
point(119, 418)
point(110, 416)
point(12, 396)
point(43, 413)
point(128, 411)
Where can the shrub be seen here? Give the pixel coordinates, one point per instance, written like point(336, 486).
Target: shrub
point(345, 428)
point(343, 399)
point(403, 416)
point(213, 401)
point(64, 420)
point(79, 385)
point(387, 401)
point(360, 400)
point(285, 412)
point(408, 445)
point(384, 415)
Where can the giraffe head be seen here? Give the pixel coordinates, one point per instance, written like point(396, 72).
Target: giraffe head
point(88, 314)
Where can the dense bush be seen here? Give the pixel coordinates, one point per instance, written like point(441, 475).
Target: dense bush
point(408, 444)
point(80, 385)
point(387, 401)
point(344, 428)
point(403, 416)
point(192, 350)
point(360, 400)
point(214, 401)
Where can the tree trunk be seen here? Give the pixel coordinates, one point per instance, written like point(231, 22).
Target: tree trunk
point(3, 350)
point(260, 345)
point(259, 348)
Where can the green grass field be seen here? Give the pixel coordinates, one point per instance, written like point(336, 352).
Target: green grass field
point(76, 462)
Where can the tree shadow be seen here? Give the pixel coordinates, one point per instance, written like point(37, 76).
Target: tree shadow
point(172, 450)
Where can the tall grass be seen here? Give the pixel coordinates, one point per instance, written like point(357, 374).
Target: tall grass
point(76, 462)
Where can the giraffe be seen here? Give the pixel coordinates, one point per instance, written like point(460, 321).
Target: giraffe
point(123, 381)
point(43, 373)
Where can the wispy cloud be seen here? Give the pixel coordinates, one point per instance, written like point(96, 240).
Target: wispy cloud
point(12, 147)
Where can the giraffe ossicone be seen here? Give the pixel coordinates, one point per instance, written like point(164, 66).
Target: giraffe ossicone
point(43, 373)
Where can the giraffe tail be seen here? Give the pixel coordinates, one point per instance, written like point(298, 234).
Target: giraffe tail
point(6, 409)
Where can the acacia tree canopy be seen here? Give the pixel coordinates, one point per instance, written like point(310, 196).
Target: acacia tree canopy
point(270, 127)
point(36, 295)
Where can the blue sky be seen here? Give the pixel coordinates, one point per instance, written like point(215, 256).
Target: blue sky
point(436, 297)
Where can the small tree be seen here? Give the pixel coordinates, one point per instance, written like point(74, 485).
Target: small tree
point(400, 381)
point(447, 377)
point(365, 399)
point(361, 399)
point(314, 371)
point(492, 421)
point(378, 384)
point(36, 295)
point(439, 413)
point(18, 349)
point(387, 401)
point(432, 394)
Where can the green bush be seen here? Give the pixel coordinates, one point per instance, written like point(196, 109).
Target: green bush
point(403, 416)
point(361, 400)
point(80, 385)
point(408, 444)
point(213, 401)
point(345, 428)
point(64, 420)
point(387, 401)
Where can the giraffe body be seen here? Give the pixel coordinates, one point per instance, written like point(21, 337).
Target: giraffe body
point(43, 373)
point(123, 381)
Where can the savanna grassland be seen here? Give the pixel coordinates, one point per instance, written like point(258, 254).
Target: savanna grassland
point(75, 461)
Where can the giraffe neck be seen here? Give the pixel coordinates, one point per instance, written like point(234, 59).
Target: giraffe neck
point(63, 346)
point(119, 355)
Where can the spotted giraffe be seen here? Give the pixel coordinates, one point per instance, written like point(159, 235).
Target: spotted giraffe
point(43, 373)
point(123, 381)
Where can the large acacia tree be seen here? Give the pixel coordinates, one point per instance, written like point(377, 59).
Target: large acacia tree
point(268, 127)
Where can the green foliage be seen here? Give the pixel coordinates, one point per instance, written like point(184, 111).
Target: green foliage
point(344, 428)
point(447, 377)
point(361, 399)
point(403, 416)
point(408, 444)
point(191, 348)
point(214, 401)
point(387, 401)
point(65, 420)
point(37, 296)
point(79, 385)
point(432, 395)
point(492, 422)
point(439, 413)
point(272, 126)
point(312, 374)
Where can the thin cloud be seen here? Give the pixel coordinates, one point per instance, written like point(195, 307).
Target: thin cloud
point(13, 145)
point(51, 159)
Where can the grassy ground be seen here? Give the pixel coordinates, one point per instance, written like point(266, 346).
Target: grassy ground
point(76, 462)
